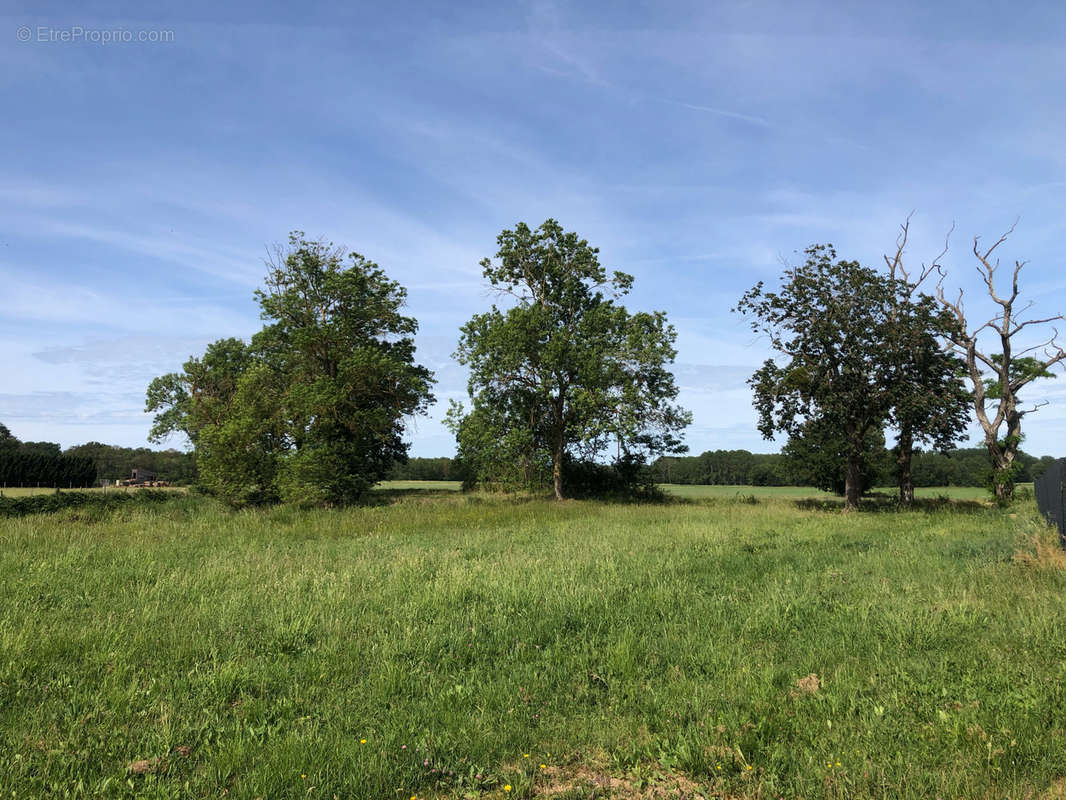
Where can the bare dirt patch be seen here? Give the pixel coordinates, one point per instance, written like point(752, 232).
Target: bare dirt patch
point(146, 766)
point(807, 685)
point(562, 781)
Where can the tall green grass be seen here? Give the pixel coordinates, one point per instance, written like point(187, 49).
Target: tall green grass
point(251, 654)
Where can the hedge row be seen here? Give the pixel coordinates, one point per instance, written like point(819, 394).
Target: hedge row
point(59, 501)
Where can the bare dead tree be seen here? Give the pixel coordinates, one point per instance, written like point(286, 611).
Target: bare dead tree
point(1013, 370)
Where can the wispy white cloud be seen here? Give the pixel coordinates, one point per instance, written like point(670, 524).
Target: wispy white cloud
point(722, 112)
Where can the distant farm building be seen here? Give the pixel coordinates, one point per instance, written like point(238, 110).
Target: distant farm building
point(142, 477)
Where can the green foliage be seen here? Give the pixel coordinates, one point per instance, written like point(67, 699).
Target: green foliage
point(623, 479)
point(724, 468)
point(930, 404)
point(424, 469)
point(9, 443)
point(970, 467)
point(496, 453)
point(46, 449)
point(311, 411)
point(30, 469)
point(201, 394)
point(253, 653)
point(41, 464)
point(816, 457)
point(94, 502)
point(858, 352)
point(961, 467)
point(565, 371)
point(238, 456)
point(1022, 370)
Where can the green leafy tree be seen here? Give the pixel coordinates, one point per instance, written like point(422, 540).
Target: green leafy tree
point(565, 371)
point(312, 410)
point(830, 322)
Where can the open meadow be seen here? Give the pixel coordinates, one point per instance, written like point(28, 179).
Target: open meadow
point(442, 645)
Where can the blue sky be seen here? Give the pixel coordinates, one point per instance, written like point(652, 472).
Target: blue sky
point(696, 144)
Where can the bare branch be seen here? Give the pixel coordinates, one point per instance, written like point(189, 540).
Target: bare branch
point(1036, 406)
point(987, 270)
point(895, 264)
point(1042, 346)
point(1029, 322)
point(935, 263)
point(944, 252)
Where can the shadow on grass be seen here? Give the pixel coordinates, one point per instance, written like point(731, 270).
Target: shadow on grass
point(879, 503)
point(721, 500)
point(388, 496)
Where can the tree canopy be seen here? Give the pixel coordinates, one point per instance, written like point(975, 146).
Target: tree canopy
point(565, 371)
point(312, 410)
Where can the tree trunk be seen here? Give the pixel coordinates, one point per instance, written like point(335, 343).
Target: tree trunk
point(852, 483)
point(558, 447)
point(903, 460)
point(1002, 473)
point(557, 468)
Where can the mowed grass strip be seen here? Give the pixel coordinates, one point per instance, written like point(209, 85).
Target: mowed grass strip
point(426, 647)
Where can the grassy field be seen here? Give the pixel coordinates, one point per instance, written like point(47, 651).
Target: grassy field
point(678, 490)
point(696, 492)
point(458, 646)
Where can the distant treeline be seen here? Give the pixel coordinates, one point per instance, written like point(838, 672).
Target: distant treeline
point(968, 467)
point(41, 464)
point(46, 464)
point(426, 469)
point(34, 469)
point(30, 463)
